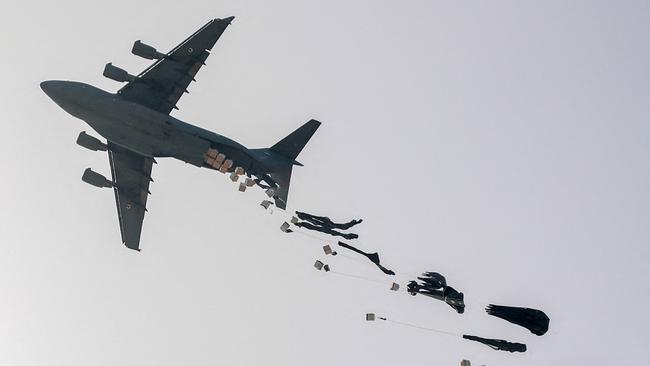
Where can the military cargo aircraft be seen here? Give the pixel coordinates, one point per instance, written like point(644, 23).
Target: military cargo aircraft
point(137, 127)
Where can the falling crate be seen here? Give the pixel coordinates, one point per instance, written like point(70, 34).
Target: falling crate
point(234, 177)
point(266, 204)
point(294, 220)
point(239, 170)
point(327, 249)
point(394, 287)
point(319, 265)
point(285, 227)
point(270, 192)
point(370, 317)
point(250, 182)
point(242, 187)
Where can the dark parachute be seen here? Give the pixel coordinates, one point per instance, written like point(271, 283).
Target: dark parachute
point(434, 285)
point(324, 224)
point(373, 257)
point(498, 344)
point(532, 319)
point(325, 230)
point(325, 221)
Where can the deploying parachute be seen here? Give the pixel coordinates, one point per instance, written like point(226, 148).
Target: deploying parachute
point(325, 230)
point(324, 225)
point(498, 344)
point(435, 286)
point(325, 221)
point(532, 319)
point(373, 257)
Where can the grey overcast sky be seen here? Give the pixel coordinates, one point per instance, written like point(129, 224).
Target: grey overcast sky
point(505, 144)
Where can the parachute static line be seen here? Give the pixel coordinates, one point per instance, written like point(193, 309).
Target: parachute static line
point(372, 316)
point(495, 344)
point(368, 279)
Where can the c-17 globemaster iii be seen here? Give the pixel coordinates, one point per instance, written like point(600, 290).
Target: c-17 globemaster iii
point(136, 123)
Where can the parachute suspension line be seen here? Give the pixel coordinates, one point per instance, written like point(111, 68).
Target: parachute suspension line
point(365, 262)
point(359, 277)
point(307, 234)
point(451, 334)
point(355, 259)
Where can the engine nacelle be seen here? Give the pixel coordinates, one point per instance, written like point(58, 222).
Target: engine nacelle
point(96, 179)
point(145, 51)
point(90, 143)
point(117, 74)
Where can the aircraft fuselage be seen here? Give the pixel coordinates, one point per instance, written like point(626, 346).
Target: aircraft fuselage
point(146, 131)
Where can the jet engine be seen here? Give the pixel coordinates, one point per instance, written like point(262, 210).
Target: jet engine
point(117, 74)
point(96, 179)
point(90, 143)
point(145, 51)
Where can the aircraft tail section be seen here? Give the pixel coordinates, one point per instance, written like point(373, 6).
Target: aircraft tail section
point(293, 144)
point(289, 148)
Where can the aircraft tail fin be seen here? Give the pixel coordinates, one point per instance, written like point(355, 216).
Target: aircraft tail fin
point(289, 148)
point(293, 144)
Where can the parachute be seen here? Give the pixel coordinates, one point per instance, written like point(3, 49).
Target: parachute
point(373, 257)
point(434, 285)
point(325, 230)
point(532, 319)
point(498, 344)
point(325, 221)
point(324, 224)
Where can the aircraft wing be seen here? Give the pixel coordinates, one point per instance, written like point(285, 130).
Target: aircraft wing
point(162, 84)
point(131, 175)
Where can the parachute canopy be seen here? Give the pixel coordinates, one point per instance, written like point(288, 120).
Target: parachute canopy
point(498, 344)
point(434, 285)
point(326, 222)
point(373, 257)
point(325, 229)
point(532, 319)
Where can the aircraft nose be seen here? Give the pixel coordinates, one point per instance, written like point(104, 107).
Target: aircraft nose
point(51, 87)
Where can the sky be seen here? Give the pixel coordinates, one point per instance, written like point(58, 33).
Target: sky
point(505, 144)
